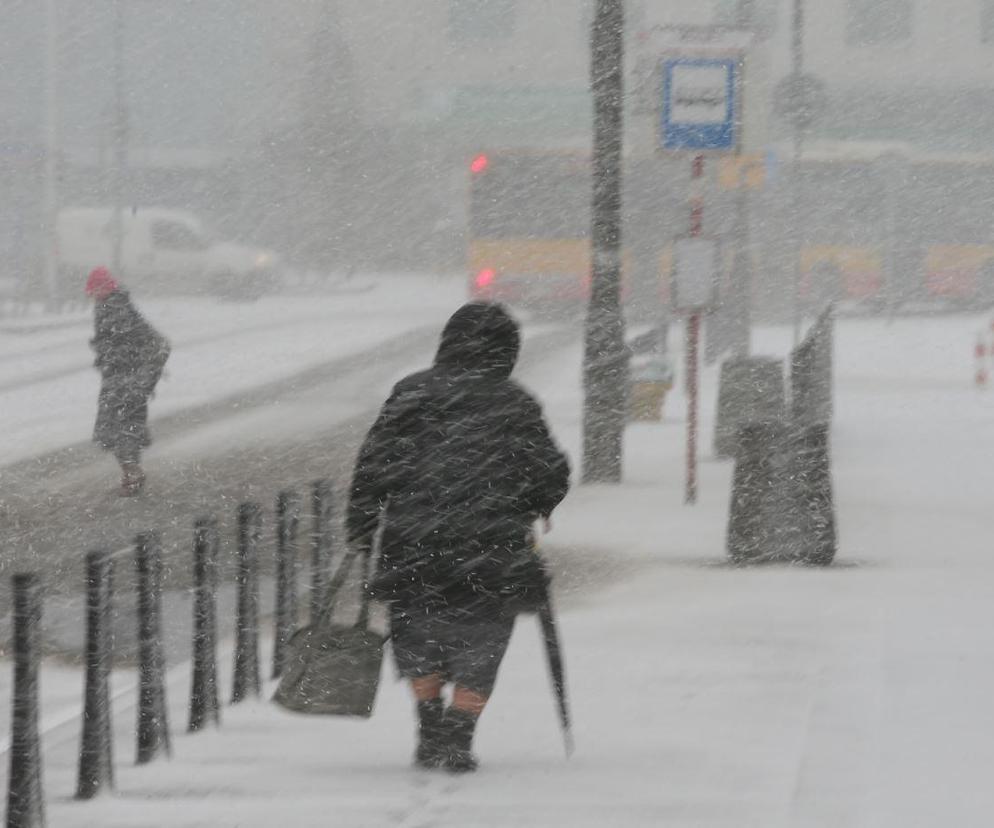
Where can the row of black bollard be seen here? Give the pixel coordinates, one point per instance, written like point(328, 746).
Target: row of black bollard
point(25, 804)
point(96, 766)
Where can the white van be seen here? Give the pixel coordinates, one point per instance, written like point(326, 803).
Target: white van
point(162, 251)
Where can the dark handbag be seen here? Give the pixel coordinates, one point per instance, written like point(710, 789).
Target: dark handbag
point(332, 669)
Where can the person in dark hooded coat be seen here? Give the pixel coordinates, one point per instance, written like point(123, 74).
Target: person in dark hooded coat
point(130, 355)
point(456, 471)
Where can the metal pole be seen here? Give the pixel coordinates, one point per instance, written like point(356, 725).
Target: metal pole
point(693, 335)
point(797, 68)
point(247, 680)
point(25, 800)
point(51, 198)
point(153, 721)
point(287, 522)
point(322, 516)
point(204, 706)
point(605, 363)
point(120, 140)
point(96, 765)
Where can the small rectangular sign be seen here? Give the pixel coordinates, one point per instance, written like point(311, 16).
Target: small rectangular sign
point(695, 273)
point(699, 104)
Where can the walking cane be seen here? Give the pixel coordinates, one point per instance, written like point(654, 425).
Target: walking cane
point(554, 654)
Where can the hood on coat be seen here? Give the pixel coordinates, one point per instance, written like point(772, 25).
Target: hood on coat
point(480, 338)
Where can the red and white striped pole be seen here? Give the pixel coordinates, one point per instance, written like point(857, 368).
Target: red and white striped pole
point(694, 334)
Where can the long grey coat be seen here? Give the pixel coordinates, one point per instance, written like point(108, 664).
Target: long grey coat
point(130, 355)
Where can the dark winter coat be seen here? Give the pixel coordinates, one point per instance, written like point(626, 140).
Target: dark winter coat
point(130, 355)
point(456, 469)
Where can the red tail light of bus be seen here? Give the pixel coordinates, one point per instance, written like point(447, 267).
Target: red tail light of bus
point(479, 164)
point(485, 278)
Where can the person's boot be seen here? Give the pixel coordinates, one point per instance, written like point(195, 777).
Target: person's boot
point(431, 750)
point(459, 727)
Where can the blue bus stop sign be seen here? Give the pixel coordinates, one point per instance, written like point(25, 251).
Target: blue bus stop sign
point(699, 104)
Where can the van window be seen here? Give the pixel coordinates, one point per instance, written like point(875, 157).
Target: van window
point(170, 235)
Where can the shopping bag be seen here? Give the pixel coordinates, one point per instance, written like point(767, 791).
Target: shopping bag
point(333, 669)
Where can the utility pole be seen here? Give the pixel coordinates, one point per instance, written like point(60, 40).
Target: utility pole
point(120, 140)
point(797, 70)
point(51, 195)
point(742, 272)
point(605, 362)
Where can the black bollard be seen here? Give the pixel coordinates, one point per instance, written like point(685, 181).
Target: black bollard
point(287, 523)
point(96, 766)
point(815, 505)
point(322, 510)
point(25, 804)
point(153, 722)
point(204, 706)
point(751, 520)
point(247, 679)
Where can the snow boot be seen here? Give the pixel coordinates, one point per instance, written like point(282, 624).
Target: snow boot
point(431, 750)
point(459, 727)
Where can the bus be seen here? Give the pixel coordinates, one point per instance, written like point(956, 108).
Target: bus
point(881, 227)
point(529, 229)
point(865, 229)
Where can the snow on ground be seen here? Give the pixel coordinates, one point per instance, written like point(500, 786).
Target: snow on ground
point(48, 387)
point(702, 695)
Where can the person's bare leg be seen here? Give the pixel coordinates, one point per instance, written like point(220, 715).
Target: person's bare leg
point(468, 700)
point(427, 687)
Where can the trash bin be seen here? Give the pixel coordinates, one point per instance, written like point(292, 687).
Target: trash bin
point(649, 381)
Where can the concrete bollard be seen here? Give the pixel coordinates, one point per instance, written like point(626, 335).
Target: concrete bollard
point(751, 390)
point(204, 705)
point(246, 676)
point(815, 506)
point(811, 375)
point(96, 764)
point(25, 802)
point(287, 523)
point(750, 533)
point(153, 721)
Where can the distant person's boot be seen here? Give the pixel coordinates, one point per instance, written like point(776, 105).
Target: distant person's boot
point(431, 750)
point(460, 726)
point(132, 480)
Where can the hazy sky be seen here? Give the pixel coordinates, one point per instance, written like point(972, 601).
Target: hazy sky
point(195, 71)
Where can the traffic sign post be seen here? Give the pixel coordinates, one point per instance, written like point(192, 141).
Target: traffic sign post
point(699, 114)
point(700, 104)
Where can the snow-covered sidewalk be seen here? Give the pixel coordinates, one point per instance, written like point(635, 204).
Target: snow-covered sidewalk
point(702, 695)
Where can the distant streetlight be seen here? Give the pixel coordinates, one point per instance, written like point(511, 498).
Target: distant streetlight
point(797, 70)
point(50, 201)
point(120, 139)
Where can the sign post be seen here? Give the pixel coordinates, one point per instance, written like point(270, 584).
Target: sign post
point(699, 115)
